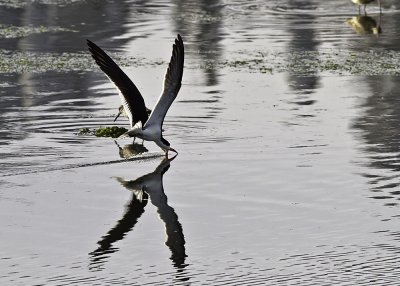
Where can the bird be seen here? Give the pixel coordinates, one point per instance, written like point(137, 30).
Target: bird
point(365, 25)
point(144, 126)
point(365, 2)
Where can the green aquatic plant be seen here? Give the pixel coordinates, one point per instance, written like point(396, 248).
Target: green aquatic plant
point(22, 62)
point(8, 31)
point(343, 62)
point(18, 4)
point(86, 131)
point(113, 131)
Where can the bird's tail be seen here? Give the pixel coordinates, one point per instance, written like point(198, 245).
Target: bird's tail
point(130, 133)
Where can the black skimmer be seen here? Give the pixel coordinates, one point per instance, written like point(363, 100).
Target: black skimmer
point(365, 25)
point(144, 126)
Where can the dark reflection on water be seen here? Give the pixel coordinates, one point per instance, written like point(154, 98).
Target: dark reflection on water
point(149, 186)
point(203, 21)
point(379, 119)
point(303, 37)
point(131, 150)
point(36, 105)
point(202, 25)
point(134, 209)
point(97, 20)
point(379, 125)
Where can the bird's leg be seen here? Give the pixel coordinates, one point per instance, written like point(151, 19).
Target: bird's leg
point(134, 138)
point(359, 9)
point(142, 141)
point(115, 141)
point(365, 9)
point(116, 117)
point(380, 7)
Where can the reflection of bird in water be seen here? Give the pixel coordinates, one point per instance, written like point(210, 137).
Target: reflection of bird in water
point(146, 127)
point(131, 150)
point(365, 2)
point(365, 25)
point(143, 188)
point(152, 185)
point(133, 210)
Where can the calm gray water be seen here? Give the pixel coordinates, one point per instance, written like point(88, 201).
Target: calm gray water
point(282, 177)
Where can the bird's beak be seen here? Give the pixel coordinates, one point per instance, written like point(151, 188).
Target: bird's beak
point(173, 150)
point(116, 117)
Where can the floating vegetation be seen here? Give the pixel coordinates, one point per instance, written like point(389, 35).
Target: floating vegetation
point(313, 62)
point(86, 131)
point(113, 131)
point(22, 62)
point(8, 31)
point(294, 62)
point(200, 17)
point(23, 3)
point(13, 3)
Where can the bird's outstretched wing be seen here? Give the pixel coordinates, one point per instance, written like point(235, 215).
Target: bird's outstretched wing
point(172, 84)
point(131, 98)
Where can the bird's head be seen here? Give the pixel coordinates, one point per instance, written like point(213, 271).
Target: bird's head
point(121, 110)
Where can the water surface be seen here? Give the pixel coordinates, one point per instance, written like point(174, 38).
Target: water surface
point(285, 176)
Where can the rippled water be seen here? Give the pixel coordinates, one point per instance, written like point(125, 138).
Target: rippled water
point(282, 178)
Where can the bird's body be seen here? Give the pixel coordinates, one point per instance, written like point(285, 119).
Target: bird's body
point(144, 126)
point(362, 2)
point(365, 25)
point(150, 133)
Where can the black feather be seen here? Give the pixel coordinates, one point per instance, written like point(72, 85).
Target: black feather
point(131, 94)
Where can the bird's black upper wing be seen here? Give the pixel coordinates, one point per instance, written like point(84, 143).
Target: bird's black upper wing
point(131, 98)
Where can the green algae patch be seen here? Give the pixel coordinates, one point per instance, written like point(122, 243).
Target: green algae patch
point(86, 131)
point(113, 131)
point(327, 61)
point(34, 62)
point(18, 4)
point(7, 31)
